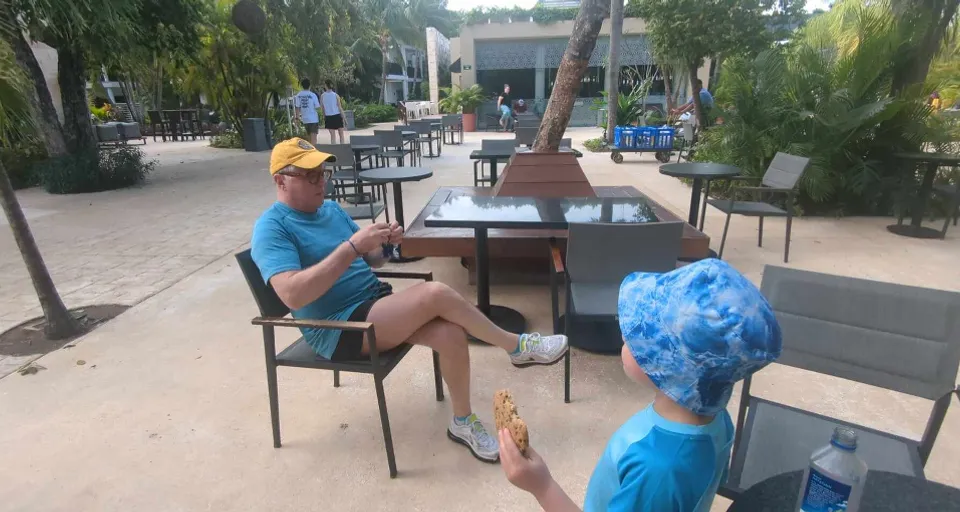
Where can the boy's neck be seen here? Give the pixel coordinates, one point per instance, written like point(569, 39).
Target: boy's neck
point(674, 412)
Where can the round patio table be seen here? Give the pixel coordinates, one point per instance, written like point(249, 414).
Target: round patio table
point(396, 176)
point(933, 162)
point(699, 172)
point(358, 150)
point(882, 492)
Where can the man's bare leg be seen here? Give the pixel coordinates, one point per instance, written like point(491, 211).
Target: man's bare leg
point(333, 134)
point(340, 132)
point(404, 312)
point(450, 342)
point(313, 138)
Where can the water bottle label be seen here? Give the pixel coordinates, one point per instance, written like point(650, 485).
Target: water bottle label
point(824, 494)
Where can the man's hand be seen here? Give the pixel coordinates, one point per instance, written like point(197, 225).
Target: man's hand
point(396, 233)
point(371, 237)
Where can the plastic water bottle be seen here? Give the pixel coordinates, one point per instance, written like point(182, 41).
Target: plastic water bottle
point(834, 481)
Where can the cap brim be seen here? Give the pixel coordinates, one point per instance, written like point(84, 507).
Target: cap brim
point(313, 159)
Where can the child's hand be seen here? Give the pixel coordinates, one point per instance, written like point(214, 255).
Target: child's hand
point(529, 473)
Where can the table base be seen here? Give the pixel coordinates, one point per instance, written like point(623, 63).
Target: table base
point(508, 319)
point(914, 231)
point(596, 336)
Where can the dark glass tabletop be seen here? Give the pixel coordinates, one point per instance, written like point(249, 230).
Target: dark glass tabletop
point(394, 174)
point(699, 170)
point(922, 156)
point(483, 154)
point(882, 491)
point(538, 213)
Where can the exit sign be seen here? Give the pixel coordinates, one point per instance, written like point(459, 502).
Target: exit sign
point(467, 67)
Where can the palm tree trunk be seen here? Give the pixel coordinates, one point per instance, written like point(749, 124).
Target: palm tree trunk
point(574, 64)
point(77, 128)
point(697, 105)
point(383, 71)
point(613, 66)
point(668, 89)
point(59, 323)
point(933, 17)
point(39, 97)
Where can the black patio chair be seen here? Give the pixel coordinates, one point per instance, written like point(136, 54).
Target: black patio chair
point(157, 125)
point(525, 135)
point(478, 176)
point(371, 157)
point(951, 193)
point(300, 355)
point(392, 146)
point(901, 338)
point(345, 175)
point(452, 124)
point(599, 256)
point(781, 178)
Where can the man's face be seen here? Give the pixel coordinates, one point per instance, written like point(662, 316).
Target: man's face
point(304, 189)
point(506, 89)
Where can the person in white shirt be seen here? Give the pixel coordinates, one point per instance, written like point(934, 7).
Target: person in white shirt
point(307, 103)
point(332, 111)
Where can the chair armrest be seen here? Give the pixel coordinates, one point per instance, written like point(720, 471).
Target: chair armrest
point(313, 324)
point(742, 178)
point(391, 274)
point(556, 259)
point(766, 189)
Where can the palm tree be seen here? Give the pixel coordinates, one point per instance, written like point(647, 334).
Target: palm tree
point(389, 24)
point(15, 115)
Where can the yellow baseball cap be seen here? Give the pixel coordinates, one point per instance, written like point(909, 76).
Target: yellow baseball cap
point(298, 152)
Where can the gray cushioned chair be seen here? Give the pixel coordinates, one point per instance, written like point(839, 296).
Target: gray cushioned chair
point(479, 177)
point(781, 178)
point(896, 337)
point(599, 256)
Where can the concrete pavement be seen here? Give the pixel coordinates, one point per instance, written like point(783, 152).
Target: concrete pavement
point(170, 410)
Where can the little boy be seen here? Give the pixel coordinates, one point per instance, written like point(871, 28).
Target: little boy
point(692, 333)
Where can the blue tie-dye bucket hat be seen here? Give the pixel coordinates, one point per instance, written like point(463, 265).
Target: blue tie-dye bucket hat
point(697, 330)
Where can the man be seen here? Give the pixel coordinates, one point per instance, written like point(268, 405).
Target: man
point(319, 263)
point(332, 111)
point(307, 103)
point(504, 104)
point(706, 101)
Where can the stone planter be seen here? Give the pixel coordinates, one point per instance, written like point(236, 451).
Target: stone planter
point(470, 122)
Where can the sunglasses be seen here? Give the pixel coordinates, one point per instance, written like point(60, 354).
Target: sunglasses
point(312, 177)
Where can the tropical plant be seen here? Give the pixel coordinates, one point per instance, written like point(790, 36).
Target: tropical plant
point(241, 74)
point(458, 100)
point(631, 107)
point(826, 96)
point(15, 115)
point(690, 31)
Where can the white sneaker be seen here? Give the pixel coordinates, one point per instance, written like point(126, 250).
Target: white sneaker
point(472, 434)
point(537, 349)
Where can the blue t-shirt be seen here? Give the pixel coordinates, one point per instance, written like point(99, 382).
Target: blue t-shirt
point(706, 99)
point(652, 463)
point(286, 239)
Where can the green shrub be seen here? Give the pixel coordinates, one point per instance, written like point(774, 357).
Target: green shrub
point(94, 171)
point(596, 145)
point(282, 131)
point(375, 113)
point(227, 140)
point(20, 162)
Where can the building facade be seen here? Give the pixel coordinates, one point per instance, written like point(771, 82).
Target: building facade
point(527, 55)
point(405, 75)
